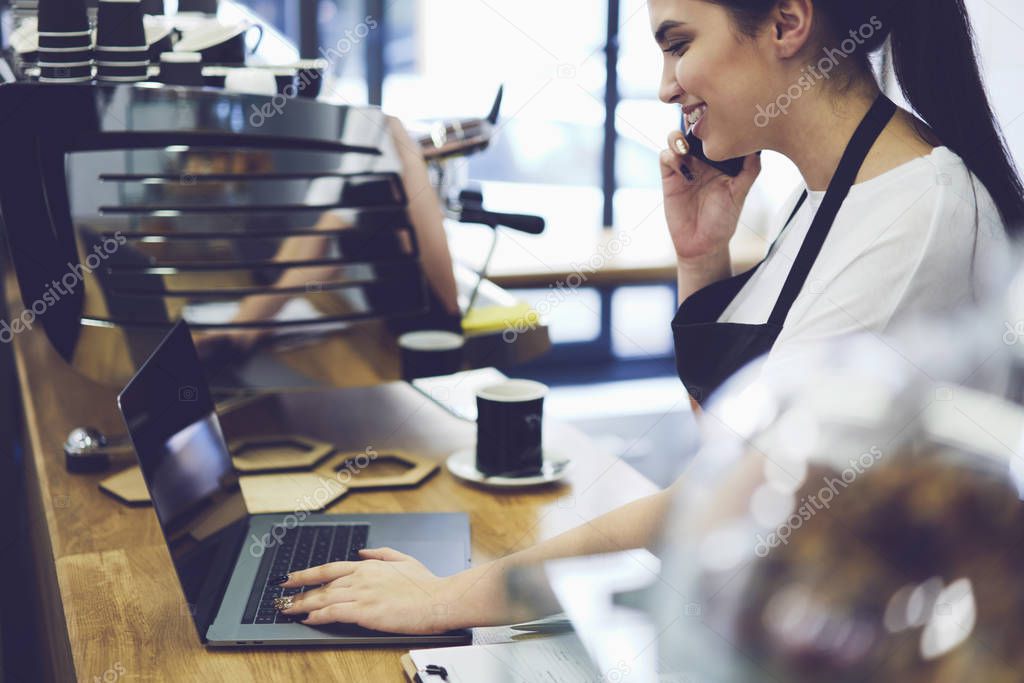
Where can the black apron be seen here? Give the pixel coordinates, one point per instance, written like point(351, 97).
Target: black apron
point(708, 352)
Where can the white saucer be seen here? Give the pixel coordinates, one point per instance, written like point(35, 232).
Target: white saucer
point(462, 464)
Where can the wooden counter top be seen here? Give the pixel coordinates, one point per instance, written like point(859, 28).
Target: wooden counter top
point(110, 603)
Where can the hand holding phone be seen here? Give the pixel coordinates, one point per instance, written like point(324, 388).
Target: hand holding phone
point(702, 212)
point(730, 167)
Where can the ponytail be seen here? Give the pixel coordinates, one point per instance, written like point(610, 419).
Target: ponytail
point(933, 55)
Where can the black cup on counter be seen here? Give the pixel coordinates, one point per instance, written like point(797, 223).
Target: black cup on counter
point(203, 6)
point(430, 353)
point(509, 428)
point(65, 73)
point(120, 56)
point(76, 40)
point(119, 24)
point(285, 79)
point(62, 17)
point(216, 76)
point(309, 79)
point(182, 68)
point(83, 58)
point(123, 72)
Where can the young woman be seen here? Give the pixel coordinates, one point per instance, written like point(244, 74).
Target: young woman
point(908, 205)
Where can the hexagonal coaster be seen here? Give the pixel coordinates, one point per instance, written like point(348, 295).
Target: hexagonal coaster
point(290, 492)
point(128, 486)
point(389, 468)
point(277, 452)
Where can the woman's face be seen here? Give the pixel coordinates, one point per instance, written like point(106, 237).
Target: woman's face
point(708, 62)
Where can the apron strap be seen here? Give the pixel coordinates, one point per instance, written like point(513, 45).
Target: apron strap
point(796, 210)
point(870, 128)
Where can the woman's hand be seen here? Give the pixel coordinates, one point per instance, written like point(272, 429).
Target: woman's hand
point(386, 591)
point(704, 209)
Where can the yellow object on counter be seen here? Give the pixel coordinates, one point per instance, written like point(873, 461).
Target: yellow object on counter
point(499, 318)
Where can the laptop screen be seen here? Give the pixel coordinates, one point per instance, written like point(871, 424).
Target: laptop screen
point(170, 417)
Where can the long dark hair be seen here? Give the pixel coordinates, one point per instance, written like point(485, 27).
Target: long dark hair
point(933, 55)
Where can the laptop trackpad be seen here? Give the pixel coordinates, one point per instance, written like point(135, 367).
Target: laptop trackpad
point(442, 558)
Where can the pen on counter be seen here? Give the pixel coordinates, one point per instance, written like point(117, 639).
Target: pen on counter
point(435, 670)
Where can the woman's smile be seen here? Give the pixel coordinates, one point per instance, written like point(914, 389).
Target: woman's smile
point(695, 115)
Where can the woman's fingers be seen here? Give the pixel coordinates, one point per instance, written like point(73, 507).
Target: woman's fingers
point(385, 554)
point(677, 160)
point(677, 143)
point(316, 576)
point(311, 601)
point(339, 612)
point(674, 165)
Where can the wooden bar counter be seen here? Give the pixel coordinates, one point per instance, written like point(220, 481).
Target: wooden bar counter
point(110, 605)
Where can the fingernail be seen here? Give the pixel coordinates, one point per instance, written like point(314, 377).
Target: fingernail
point(277, 580)
point(682, 146)
point(284, 603)
point(687, 173)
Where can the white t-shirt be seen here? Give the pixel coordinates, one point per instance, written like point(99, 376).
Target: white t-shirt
point(904, 243)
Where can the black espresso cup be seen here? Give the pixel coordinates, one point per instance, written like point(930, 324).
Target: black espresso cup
point(309, 80)
point(232, 49)
point(285, 79)
point(429, 353)
point(508, 428)
point(182, 68)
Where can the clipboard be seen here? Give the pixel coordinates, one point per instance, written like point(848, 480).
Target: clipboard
point(560, 658)
point(409, 668)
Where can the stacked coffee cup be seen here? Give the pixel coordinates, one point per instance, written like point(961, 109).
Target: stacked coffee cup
point(25, 9)
point(65, 42)
point(122, 54)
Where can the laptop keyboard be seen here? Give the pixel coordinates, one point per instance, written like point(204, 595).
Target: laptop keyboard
point(300, 547)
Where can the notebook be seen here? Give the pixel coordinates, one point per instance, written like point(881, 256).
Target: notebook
point(555, 659)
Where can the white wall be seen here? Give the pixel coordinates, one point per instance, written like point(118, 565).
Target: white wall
point(999, 25)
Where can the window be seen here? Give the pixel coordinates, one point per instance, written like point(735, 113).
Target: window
point(448, 61)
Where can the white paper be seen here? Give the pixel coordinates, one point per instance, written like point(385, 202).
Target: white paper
point(557, 659)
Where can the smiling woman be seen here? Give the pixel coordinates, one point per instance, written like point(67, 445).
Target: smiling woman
point(896, 214)
point(893, 204)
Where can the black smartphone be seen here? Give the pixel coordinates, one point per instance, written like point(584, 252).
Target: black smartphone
point(730, 167)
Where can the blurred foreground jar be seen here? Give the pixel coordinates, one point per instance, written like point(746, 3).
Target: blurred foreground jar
point(854, 516)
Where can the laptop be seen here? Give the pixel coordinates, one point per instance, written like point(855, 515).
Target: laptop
point(223, 555)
